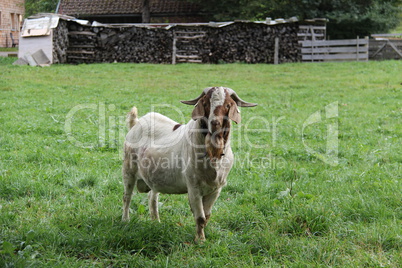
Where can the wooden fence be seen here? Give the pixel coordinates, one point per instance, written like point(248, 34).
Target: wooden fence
point(385, 49)
point(311, 32)
point(335, 50)
point(396, 36)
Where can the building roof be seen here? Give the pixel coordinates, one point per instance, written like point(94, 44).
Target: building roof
point(121, 7)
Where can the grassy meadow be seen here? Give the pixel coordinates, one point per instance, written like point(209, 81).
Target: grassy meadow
point(316, 182)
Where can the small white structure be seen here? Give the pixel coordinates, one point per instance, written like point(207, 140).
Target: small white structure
point(37, 37)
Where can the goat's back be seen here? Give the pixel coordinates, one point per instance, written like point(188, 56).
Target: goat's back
point(154, 129)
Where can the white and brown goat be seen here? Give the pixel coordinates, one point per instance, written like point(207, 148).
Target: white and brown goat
point(162, 156)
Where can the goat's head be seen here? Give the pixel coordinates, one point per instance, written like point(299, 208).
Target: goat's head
point(215, 107)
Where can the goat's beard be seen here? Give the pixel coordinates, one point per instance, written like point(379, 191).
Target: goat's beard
point(214, 144)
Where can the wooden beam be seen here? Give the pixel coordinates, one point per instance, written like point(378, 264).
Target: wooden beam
point(276, 53)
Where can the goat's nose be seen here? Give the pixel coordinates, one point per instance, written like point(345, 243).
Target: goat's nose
point(215, 123)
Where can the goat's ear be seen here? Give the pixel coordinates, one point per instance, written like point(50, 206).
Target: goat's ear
point(199, 110)
point(234, 113)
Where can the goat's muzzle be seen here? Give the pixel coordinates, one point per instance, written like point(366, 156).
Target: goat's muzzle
point(215, 123)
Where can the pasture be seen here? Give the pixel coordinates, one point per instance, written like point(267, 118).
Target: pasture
point(316, 180)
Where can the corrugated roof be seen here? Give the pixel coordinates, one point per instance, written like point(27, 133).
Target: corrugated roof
point(115, 7)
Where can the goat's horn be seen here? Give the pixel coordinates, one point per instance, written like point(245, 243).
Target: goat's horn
point(238, 100)
point(194, 101)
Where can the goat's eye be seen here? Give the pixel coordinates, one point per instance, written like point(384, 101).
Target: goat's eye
point(228, 106)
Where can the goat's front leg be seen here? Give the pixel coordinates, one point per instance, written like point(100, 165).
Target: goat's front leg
point(208, 201)
point(153, 205)
point(195, 200)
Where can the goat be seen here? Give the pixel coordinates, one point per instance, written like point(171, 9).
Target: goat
point(162, 156)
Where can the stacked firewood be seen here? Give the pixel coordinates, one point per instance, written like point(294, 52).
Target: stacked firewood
point(60, 43)
point(238, 42)
point(134, 44)
point(246, 42)
point(189, 44)
point(82, 43)
point(252, 43)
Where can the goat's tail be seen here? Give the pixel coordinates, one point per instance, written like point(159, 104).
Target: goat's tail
point(132, 118)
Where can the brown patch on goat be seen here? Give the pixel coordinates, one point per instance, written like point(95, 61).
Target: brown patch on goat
point(214, 145)
point(226, 130)
point(176, 126)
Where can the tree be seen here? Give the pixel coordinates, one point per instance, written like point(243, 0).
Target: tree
point(33, 7)
point(347, 18)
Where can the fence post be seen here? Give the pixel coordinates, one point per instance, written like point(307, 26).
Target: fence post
point(357, 48)
point(174, 49)
point(312, 51)
point(367, 48)
point(276, 54)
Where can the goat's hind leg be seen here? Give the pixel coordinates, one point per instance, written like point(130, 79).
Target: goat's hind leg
point(129, 180)
point(153, 205)
point(129, 184)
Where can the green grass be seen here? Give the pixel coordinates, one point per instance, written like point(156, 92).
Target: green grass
point(61, 192)
point(8, 49)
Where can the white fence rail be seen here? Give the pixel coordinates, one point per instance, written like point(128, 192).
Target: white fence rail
point(335, 50)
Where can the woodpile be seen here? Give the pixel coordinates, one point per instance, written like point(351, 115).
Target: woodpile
point(60, 42)
point(82, 44)
point(236, 42)
point(252, 43)
point(188, 45)
point(134, 44)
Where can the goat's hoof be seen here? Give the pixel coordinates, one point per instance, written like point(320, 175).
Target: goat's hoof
point(155, 219)
point(199, 240)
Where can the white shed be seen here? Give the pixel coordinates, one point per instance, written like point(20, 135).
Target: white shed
point(37, 37)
